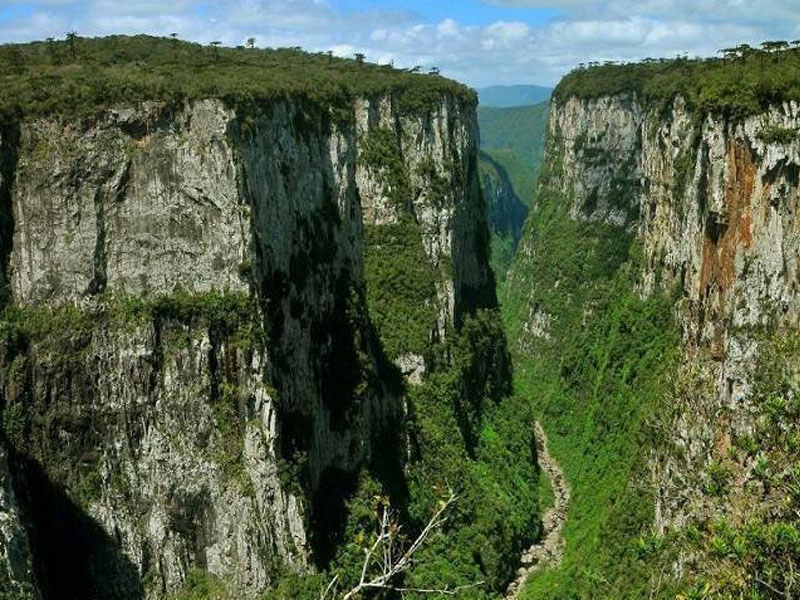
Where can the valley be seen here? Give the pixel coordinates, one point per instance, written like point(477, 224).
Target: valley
point(276, 322)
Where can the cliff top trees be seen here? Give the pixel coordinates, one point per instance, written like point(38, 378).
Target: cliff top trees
point(131, 69)
point(776, 46)
point(744, 81)
point(215, 46)
point(71, 37)
point(51, 48)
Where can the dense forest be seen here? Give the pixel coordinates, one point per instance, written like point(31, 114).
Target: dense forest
point(78, 75)
point(744, 81)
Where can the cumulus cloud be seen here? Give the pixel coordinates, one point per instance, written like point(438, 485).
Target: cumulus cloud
point(511, 49)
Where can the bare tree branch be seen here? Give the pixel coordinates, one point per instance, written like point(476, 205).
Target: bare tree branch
point(386, 558)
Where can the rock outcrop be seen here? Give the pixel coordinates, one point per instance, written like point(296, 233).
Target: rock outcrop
point(188, 350)
point(712, 202)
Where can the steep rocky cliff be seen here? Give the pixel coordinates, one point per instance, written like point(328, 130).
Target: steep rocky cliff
point(673, 217)
point(194, 363)
point(512, 149)
point(507, 212)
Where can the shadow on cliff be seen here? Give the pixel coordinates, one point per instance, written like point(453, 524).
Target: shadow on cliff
point(9, 156)
point(336, 486)
point(74, 558)
point(508, 215)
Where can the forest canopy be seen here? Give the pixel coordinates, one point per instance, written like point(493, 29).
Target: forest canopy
point(80, 75)
point(743, 81)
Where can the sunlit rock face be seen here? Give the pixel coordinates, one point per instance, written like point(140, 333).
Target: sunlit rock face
point(190, 295)
point(713, 205)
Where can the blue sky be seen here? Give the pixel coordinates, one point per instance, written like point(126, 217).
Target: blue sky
point(481, 42)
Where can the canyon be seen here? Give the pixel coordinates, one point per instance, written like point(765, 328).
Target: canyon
point(249, 314)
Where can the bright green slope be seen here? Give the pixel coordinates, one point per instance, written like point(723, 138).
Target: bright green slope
point(594, 382)
point(512, 149)
point(515, 138)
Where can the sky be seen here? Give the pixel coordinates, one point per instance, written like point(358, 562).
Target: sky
point(480, 42)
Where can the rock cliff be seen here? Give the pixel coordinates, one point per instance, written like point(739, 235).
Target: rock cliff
point(507, 212)
point(189, 355)
point(698, 206)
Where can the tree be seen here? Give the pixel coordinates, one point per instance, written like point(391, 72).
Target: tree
point(72, 36)
point(775, 46)
point(215, 46)
point(434, 71)
point(360, 59)
point(744, 50)
point(251, 42)
point(51, 47)
point(387, 558)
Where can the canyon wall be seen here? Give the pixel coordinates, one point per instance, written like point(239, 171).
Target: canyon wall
point(705, 208)
point(188, 354)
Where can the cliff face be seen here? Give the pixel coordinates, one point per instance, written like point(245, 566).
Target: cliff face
point(506, 212)
point(190, 355)
point(710, 205)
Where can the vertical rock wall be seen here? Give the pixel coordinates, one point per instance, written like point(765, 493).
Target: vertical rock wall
point(188, 348)
point(713, 203)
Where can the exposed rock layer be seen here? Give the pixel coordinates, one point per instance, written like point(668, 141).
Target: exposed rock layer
point(713, 203)
point(189, 286)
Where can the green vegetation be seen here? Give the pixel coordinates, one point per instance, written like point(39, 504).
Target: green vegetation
point(742, 83)
point(752, 548)
point(467, 432)
point(401, 287)
point(595, 377)
point(512, 150)
point(545, 493)
point(515, 138)
point(469, 435)
point(85, 74)
point(400, 279)
point(199, 585)
point(380, 152)
point(778, 135)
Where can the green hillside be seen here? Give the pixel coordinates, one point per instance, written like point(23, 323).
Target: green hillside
point(512, 150)
point(514, 137)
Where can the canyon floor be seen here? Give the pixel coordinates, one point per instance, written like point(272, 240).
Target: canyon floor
point(549, 550)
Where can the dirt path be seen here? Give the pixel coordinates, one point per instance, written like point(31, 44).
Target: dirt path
point(549, 550)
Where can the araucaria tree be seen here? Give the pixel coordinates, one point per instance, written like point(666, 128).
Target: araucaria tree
point(72, 36)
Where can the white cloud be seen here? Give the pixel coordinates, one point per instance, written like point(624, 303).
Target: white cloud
point(706, 9)
point(506, 51)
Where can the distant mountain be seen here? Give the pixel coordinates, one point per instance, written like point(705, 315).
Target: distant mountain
point(515, 138)
point(503, 96)
point(512, 149)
